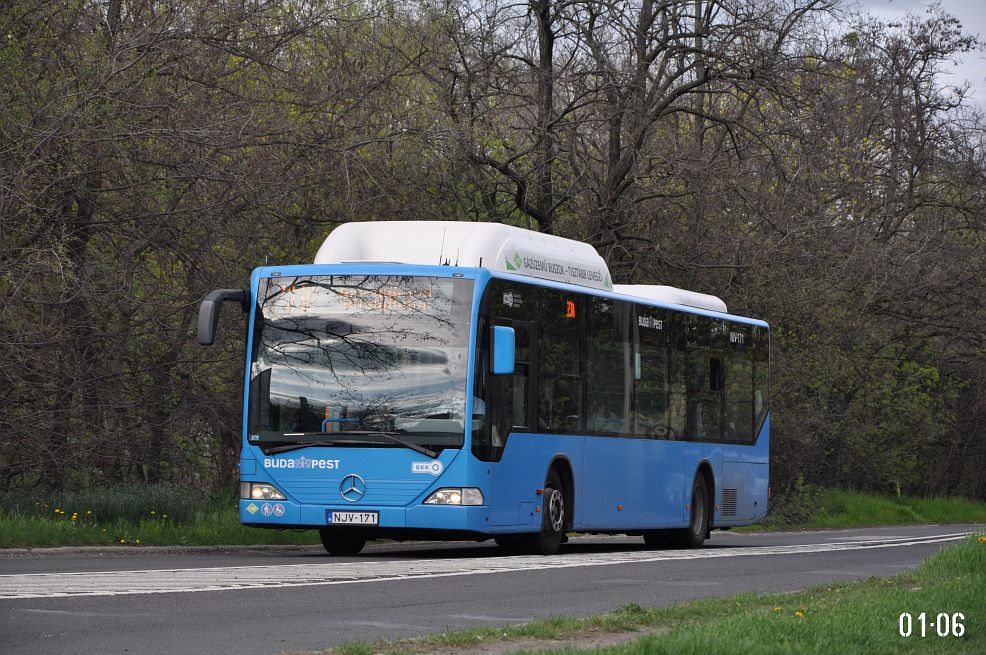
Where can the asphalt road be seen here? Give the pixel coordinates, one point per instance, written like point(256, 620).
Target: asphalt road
point(272, 600)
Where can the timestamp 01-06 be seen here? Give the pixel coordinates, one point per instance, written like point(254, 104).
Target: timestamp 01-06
point(924, 625)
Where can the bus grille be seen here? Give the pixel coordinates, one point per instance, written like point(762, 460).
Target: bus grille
point(729, 502)
point(385, 493)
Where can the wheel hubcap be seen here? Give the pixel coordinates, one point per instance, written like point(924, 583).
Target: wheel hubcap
point(698, 512)
point(556, 510)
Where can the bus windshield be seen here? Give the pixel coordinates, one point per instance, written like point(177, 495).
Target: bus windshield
point(360, 360)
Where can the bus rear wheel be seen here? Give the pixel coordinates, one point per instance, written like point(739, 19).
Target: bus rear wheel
point(553, 519)
point(341, 542)
point(698, 522)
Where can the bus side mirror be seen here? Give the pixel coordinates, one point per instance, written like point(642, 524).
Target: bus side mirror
point(209, 311)
point(503, 350)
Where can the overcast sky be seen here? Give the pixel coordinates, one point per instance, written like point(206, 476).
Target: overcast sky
point(972, 15)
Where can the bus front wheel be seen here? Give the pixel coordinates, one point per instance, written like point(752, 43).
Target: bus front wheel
point(553, 518)
point(341, 542)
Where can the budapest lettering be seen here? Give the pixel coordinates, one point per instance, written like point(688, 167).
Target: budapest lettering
point(300, 463)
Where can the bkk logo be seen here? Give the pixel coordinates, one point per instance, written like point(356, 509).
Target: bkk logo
point(300, 463)
point(431, 468)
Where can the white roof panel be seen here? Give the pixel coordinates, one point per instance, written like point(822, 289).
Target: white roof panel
point(673, 295)
point(491, 245)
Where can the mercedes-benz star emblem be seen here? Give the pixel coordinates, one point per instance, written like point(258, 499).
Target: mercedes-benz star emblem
point(352, 487)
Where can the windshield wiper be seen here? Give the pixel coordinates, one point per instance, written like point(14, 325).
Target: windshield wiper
point(307, 444)
point(362, 433)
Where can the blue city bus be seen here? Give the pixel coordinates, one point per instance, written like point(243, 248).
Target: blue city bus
point(517, 399)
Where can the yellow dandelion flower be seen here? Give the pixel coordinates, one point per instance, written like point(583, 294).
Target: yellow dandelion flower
point(799, 614)
point(138, 541)
point(777, 609)
point(88, 512)
point(164, 516)
point(982, 540)
point(57, 510)
point(153, 512)
point(74, 517)
point(123, 541)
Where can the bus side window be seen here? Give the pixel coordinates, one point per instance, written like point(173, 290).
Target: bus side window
point(761, 376)
point(560, 348)
point(740, 397)
point(607, 355)
point(703, 372)
point(650, 374)
point(696, 369)
point(678, 390)
point(511, 392)
point(505, 398)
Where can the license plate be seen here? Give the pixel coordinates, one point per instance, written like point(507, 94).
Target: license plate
point(351, 518)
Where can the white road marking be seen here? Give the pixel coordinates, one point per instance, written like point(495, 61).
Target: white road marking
point(874, 538)
point(623, 581)
point(166, 581)
point(67, 612)
point(385, 625)
point(490, 619)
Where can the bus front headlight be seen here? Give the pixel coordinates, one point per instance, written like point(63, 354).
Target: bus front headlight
point(456, 496)
point(260, 491)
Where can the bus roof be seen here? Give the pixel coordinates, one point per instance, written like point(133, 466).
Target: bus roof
point(488, 245)
point(493, 246)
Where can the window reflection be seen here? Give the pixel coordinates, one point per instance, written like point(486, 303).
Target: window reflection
point(361, 353)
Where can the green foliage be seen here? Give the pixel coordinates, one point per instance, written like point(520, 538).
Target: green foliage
point(131, 515)
point(808, 506)
point(127, 503)
point(796, 505)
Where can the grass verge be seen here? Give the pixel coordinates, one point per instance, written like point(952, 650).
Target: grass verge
point(132, 515)
point(859, 617)
point(813, 507)
point(209, 528)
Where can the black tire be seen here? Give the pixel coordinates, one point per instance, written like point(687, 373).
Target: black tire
point(554, 519)
point(509, 542)
point(657, 538)
point(698, 522)
point(341, 542)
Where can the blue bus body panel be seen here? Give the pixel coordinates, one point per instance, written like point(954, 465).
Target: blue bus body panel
point(636, 483)
point(746, 469)
point(620, 483)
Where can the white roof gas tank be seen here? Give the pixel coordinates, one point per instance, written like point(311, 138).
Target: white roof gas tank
point(490, 245)
point(673, 295)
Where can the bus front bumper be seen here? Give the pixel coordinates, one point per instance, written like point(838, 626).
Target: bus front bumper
point(287, 514)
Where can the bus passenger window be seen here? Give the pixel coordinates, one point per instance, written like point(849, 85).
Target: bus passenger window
point(651, 370)
point(740, 397)
point(607, 367)
point(761, 361)
point(716, 383)
point(560, 343)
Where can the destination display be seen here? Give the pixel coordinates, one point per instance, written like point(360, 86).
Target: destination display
point(356, 294)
